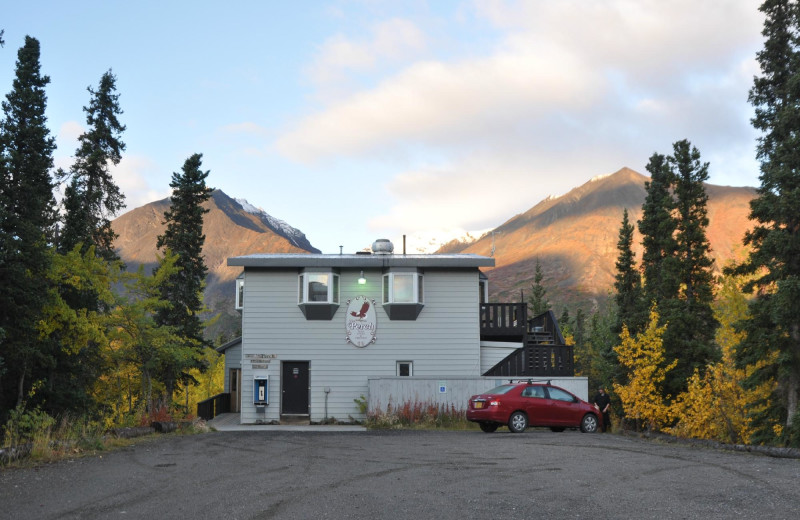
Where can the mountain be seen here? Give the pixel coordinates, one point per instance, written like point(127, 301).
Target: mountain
point(575, 236)
point(232, 227)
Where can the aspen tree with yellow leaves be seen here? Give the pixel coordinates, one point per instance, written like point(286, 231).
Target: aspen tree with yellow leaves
point(715, 405)
point(642, 359)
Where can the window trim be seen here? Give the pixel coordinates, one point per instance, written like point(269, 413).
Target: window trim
point(404, 310)
point(410, 368)
point(319, 310)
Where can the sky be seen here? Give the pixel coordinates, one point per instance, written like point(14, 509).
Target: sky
point(354, 120)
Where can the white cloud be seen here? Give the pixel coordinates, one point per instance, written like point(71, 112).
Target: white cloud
point(131, 176)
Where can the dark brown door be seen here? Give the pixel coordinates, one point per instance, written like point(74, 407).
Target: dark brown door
point(236, 384)
point(294, 384)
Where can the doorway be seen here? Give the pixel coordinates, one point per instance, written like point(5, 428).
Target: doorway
point(235, 380)
point(294, 388)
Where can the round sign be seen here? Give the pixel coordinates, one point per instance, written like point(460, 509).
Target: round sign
point(360, 321)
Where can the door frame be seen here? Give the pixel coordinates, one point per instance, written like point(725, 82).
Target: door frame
point(235, 387)
point(303, 365)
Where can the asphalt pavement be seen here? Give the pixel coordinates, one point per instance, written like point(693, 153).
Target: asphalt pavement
point(444, 475)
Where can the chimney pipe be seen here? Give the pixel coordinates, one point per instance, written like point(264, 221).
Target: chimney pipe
point(404, 244)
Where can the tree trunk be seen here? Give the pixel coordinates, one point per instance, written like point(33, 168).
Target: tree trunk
point(793, 384)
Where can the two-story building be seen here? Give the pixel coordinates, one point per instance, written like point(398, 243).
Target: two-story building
point(316, 328)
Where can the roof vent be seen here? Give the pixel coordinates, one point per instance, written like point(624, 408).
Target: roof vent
point(382, 246)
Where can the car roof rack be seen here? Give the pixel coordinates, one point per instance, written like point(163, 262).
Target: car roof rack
point(530, 380)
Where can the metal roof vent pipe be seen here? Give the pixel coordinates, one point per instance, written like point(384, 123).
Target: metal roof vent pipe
point(382, 246)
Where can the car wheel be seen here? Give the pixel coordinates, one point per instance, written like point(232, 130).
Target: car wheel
point(517, 422)
point(556, 429)
point(589, 423)
point(488, 427)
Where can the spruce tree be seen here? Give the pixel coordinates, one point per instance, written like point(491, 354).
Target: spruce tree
point(27, 225)
point(773, 330)
point(690, 336)
point(92, 198)
point(657, 227)
point(631, 307)
point(184, 289)
point(538, 299)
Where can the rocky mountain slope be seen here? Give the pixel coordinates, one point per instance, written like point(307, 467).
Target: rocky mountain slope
point(232, 227)
point(575, 239)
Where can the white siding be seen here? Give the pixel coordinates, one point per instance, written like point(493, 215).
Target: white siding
point(233, 359)
point(443, 341)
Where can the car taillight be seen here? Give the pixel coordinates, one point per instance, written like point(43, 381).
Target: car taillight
point(494, 403)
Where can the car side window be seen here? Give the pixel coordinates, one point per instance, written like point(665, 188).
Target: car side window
point(559, 395)
point(533, 391)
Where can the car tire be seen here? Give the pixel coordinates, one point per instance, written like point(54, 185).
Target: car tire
point(517, 422)
point(488, 427)
point(557, 428)
point(589, 423)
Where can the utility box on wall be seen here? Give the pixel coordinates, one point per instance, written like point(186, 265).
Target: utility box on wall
point(261, 390)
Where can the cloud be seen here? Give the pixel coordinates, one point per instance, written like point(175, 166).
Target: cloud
point(131, 176)
point(566, 91)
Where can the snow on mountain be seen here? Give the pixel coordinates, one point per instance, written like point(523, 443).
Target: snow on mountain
point(294, 235)
point(428, 242)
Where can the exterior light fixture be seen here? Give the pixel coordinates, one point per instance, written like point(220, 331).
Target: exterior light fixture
point(361, 279)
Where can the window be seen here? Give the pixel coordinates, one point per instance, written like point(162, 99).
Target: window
point(405, 368)
point(533, 391)
point(318, 294)
point(560, 395)
point(318, 288)
point(403, 295)
point(402, 288)
point(483, 288)
point(239, 293)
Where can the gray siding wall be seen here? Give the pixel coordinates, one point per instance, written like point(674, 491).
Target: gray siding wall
point(493, 352)
point(444, 340)
point(233, 359)
point(399, 390)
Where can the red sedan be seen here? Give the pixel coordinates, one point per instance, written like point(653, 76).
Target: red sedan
point(519, 405)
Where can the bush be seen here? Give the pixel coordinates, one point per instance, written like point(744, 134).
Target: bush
point(418, 414)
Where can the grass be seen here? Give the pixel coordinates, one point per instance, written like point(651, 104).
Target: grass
point(421, 415)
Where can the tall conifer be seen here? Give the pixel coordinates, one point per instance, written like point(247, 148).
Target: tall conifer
point(774, 327)
point(27, 223)
point(184, 289)
point(93, 198)
point(690, 335)
point(631, 306)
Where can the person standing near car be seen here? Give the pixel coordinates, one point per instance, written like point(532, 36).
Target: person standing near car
point(604, 403)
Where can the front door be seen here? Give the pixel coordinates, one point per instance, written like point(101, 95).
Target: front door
point(235, 382)
point(294, 388)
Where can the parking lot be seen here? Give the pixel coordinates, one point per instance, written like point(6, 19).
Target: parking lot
point(405, 474)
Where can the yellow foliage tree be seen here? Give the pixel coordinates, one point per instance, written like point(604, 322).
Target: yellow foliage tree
point(715, 406)
point(642, 357)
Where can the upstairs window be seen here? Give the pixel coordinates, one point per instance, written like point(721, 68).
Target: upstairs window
point(318, 294)
point(239, 293)
point(319, 288)
point(403, 294)
point(402, 288)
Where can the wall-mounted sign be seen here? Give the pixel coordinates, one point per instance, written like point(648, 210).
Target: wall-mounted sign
point(360, 322)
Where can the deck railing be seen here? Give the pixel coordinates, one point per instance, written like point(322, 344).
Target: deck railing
point(537, 361)
point(503, 319)
point(213, 406)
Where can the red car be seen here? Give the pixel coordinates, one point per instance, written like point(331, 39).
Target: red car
point(519, 405)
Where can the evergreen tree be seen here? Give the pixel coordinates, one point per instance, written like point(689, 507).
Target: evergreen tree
point(564, 322)
point(580, 328)
point(774, 325)
point(657, 227)
point(27, 223)
point(690, 335)
point(184, 289)
point(538, 299)
point(92, 197)
point(631, 307)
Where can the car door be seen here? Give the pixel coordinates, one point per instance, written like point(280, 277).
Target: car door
point(537, 406)
point(565, 408)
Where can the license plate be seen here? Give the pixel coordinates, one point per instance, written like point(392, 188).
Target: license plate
point(478, 404)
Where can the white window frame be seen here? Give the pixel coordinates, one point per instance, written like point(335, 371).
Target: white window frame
point(239, 305)
point(332, 283)
point(388, 287)
point(410, 368)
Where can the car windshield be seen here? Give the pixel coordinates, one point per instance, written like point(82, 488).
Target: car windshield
point(502, 389)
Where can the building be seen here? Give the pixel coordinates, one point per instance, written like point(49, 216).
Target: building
point(316, 329)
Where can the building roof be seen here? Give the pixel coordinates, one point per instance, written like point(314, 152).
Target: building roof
point(231, 343)
point(361, 261)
